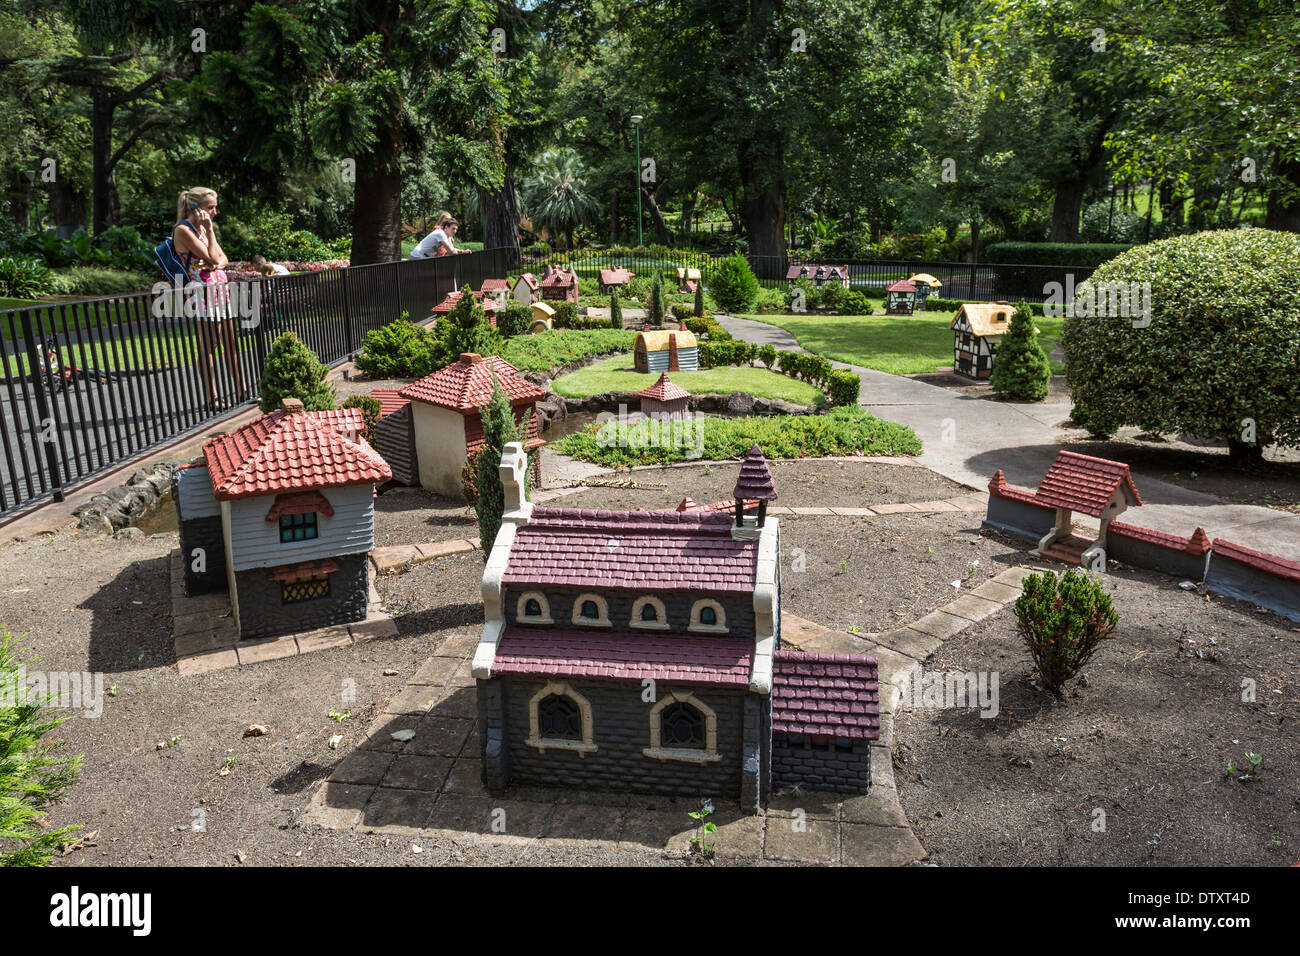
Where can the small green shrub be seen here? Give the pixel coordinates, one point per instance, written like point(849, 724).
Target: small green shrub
point(833, 295)
point(1063, 623)
point(803, 295)
point(654, 305)
point(371, 410)
point(24, 278)
point(842, 387)
point(767, 355)
point(588, 286)
point(31, 776)
point(400, 349)
point(294, 371)
point(855, 303)
point(733, 284)
point(615, 311)
point(464, 329)
point(514, 319)
point(1021, 369)
point(566, 314)
point(733, 352)
point(499, 429)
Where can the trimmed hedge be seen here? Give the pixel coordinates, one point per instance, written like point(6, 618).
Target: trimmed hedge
point(1054, 253)
point(841, 386)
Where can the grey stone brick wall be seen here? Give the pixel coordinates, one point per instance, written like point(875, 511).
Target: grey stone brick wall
point(1019, 518)
point(204, 533)
point(261, 613)
point(621, 730)
point(1145, 554)
point(1231, 577)
point(833, 770)
point(492, 736)
point(739, 609)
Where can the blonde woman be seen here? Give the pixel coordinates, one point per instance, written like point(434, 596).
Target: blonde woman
point(195, 240)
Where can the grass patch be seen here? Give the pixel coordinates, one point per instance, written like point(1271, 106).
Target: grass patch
point(898, 344)
point(7, 303)
point(547, 350)
point(613, 375)
point(845, 431)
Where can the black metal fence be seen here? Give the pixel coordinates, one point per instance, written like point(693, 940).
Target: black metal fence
point(86, 385)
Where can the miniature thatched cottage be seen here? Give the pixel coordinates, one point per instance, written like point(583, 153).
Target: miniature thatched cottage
point(977, 327)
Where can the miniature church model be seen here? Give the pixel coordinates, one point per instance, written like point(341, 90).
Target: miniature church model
point(280, 514)
point(560, 285)
point(641, 651)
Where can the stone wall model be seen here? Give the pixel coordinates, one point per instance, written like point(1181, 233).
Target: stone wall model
point(203, 549)
point(262, 613)
point(831, 769)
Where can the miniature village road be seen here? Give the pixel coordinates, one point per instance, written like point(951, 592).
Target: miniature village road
point(968, 439)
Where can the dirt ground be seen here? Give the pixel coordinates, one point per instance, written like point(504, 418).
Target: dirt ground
point(1144, 740)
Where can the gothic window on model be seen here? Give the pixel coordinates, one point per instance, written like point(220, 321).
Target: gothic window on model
point(559, 718)
point(297, 527)
point(532, 608)
point(649, 614)
point(681, 727)
point(591, 610)
point(707, 615)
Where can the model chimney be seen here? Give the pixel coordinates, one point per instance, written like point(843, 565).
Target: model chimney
point(291, 406)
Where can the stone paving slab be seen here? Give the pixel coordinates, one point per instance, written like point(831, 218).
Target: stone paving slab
point(994, 590)
point(973, 607)
point(910, 642)
point(940, 624)
point(796, 630)
point(894, 509)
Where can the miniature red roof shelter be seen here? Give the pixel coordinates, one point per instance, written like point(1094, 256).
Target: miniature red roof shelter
point(1095, 486)
point(664, 399)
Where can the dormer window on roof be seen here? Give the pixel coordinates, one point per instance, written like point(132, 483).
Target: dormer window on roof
point(591, 610)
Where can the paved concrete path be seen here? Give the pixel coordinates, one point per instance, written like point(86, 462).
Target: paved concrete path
point(967, 439)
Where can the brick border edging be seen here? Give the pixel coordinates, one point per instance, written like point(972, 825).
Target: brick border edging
point(899, 654)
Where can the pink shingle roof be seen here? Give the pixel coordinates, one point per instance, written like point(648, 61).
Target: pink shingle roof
point(664, 390)
point(292, 452)
point(825, 694)
point(615, 276)
point(466, 385)
point(1083, 483)
point(560, 278)
point(755, 481)
point(1197, 544)
point(631, 550)
point(625, 656)
point(494, 285)
point(902, 285)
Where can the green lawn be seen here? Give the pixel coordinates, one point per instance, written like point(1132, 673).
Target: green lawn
point(845, 431)
point(615, 375)
point(16, 303)
point(161, 350)
point(898, 344)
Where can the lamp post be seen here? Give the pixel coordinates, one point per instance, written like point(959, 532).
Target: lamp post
point(636, 125)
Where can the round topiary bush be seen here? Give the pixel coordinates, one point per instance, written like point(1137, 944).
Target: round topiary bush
point(1212, 346)
point(293, 371)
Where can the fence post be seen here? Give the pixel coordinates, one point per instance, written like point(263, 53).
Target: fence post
point(347, 313)
point(38, 373)
point(971, 290)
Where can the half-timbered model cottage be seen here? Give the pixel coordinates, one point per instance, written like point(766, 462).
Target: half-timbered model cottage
point(281, 512)
point(926, 286)
point(977, 327)
point(641, 651)
point(900, 298)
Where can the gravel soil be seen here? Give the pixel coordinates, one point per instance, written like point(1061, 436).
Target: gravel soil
point(413, 515)
point(1145, 739)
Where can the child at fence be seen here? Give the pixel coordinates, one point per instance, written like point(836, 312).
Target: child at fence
point(195, 240)
point(432, 244)
point(267, 269)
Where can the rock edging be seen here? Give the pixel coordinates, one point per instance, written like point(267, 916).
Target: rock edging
point(115, 510)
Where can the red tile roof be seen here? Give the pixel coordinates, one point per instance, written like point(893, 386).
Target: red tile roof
point(626, 656)
point(304, 569)
point(1197, 544)
point(466, 385)
point(631, 550)
point(560, 279)
point(664, 390)
point(825, 694)
point(494, 285)
point(284, 452)
point(527, 279)
point(998, 486)
point(902, 285)
point(449, 303)
point(755, 480)
point(1083, 483)
point(728, 506)
point(390, 400)
point(299, 503)
point(1259, 560)
point(615, 276)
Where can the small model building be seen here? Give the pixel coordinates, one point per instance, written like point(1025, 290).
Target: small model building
point(282, 509)
point(664, 400)
point(818, 274)
point(926, 286)
point(449, 302)
point(526, 289)
point(496, 290)
point(976, 328)
point(611, 279)
point(687, 279)
point(900, 298)
point(395, 435)
point(587, 612)
point(560, 285)
point(446, 408)
point(666, 351)
point(1094, 486)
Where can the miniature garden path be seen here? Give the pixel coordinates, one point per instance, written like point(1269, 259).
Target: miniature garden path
point(967, 439)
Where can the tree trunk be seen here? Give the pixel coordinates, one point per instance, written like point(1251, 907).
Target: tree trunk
point(67, 208)
point(688, 212)
point(1171, 210)
point(974, 240)
point(500, 215)
point(656, 216)
point(20, 203)
point(613, 219)
point(762, 176)
point(376, 214)
point(101, 149)
point(1066, 206)
point(1277, 215)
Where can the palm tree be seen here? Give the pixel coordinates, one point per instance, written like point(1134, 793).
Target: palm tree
point(556, 194)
